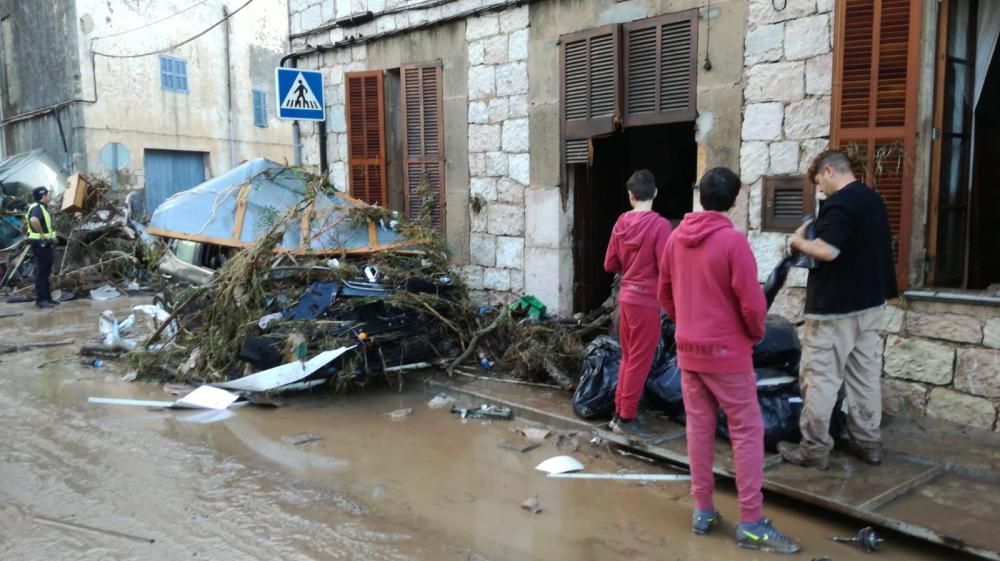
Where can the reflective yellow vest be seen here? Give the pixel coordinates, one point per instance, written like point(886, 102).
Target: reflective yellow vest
point(50, 232)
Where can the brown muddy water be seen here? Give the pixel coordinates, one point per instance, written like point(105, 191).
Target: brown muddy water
point(81, 481)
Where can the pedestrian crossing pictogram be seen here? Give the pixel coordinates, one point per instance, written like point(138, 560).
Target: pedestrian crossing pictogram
point(300, 94)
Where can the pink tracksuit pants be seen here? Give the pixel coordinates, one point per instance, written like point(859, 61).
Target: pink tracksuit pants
point(703, 394)
point(639, 333)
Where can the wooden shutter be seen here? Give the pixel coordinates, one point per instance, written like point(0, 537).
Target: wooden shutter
point(786, 200)
point(876, 58)
point(661, 57)
point(366, 137)
point(590, 85)
point(423, 138)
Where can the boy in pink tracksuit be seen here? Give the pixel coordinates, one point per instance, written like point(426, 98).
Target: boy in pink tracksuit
point(637, 241)
point(708, 285)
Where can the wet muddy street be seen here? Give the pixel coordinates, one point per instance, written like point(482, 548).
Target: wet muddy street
point(109, 482)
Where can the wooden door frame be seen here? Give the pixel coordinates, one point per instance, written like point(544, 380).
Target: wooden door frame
point(934, 192)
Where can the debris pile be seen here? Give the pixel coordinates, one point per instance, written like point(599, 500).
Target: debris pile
point(327, 271)
point(99, 244)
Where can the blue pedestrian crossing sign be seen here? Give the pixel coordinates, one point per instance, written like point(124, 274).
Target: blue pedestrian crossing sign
point(300, 94)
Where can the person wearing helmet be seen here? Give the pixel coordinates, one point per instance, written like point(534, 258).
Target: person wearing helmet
point(42, 235)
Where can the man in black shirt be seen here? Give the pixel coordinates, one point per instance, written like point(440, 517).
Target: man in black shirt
point(845, 299)
point(42, 235)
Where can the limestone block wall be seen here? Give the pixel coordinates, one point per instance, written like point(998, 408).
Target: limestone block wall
point(943, 360)
point(499, 164)
point(496, 44)
point(787, 69)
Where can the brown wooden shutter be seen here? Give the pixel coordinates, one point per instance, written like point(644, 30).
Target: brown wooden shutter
point(423, 138)
point(591, 88)
point(366, 137)
point(661, 58)
point(786, 200)
point(876, 58)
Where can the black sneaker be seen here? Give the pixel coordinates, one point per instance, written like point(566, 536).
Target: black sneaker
point(45, 304)
point(632, 428)
point(703, 522)
point(765, 537)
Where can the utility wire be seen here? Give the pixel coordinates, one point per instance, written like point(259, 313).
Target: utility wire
point(176, 45)
point(152, 23)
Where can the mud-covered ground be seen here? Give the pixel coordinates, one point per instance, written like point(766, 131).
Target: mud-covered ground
point(82, 481)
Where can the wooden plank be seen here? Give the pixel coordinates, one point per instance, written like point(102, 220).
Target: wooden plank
point(241, 212)
point(903, 488)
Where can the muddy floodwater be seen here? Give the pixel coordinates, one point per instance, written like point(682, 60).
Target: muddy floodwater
point(82, 481)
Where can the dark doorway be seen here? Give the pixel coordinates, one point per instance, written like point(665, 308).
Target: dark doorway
point(669, 151)
point(984, 241)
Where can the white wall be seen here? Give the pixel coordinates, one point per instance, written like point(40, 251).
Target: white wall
point(133, 108)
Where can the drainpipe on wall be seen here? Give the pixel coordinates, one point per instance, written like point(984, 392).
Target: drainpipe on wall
point(229, 92)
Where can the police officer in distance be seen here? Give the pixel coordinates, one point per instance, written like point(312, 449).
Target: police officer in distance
point(42, 236)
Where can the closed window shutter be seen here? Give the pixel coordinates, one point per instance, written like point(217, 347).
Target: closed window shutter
point(661, 69)
point(786, 200)
point(366, 137)
point(423, 141)
point(591, 88)
point(874, 103)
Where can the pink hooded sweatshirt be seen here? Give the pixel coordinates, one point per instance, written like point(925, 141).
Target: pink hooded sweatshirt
point(637, 242)
point(708, 285)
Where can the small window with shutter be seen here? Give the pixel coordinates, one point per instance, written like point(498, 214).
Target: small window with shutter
point(591, 88)
point(366, 137)
point(423, 142)
point(786, 200)
point(661, 69)
point(259, 108)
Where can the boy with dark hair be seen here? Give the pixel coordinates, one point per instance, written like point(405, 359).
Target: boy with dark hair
point(637, 241)
point(708, 285)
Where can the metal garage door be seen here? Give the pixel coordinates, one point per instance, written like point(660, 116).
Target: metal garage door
point(169, 172)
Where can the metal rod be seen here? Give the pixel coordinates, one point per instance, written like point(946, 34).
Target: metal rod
point(623, 476)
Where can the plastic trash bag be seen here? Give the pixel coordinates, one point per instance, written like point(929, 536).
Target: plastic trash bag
point(664, 388)
point(111, 331)
point(776, 279)
point(781, 407)
point(594, 397)
point(780, 349)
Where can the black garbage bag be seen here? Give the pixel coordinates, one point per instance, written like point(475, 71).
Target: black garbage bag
point(776, 279)
point(668, 332)
point(663, 388)
point(780, 407)
point(780, 349)
point(594, 397)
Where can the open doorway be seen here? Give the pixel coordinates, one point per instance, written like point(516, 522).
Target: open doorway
point(984, 242)
point(669, 151)
point(966, 197)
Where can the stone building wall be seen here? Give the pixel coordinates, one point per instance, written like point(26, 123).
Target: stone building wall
point(938, 359)
point(942, 360)
point(486, 224)
point(787, 69)
point(499, 168)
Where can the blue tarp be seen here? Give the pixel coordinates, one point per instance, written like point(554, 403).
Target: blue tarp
point(210, 212)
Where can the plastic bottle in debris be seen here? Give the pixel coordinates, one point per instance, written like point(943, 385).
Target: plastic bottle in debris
point(94, 363)
point(485, 362)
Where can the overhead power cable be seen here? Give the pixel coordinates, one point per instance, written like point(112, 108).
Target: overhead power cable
point(152, 23)
point(176, 45)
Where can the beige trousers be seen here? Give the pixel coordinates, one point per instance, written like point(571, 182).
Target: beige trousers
point(839, 352)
